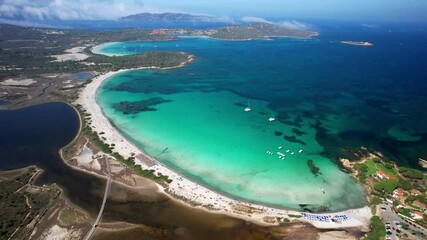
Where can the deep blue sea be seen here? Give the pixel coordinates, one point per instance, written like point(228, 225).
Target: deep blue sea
point(371, 96)
point(329, 99)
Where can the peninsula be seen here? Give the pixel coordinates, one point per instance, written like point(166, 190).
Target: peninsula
point(262, 31)
point(171, 17)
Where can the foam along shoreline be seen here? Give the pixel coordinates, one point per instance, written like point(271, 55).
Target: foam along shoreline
point(191, 193)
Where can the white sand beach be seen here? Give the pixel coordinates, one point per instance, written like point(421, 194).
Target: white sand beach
point(96, 49)
point(192, 193)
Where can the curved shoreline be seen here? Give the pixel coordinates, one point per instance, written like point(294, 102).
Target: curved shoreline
point(187, 191)
point(96, 49)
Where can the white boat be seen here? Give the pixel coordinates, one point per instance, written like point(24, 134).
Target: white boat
point(248, 108)
point(300, 151)
point(271, 119)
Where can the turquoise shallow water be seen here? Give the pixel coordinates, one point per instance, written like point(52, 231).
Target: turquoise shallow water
point(322, 93)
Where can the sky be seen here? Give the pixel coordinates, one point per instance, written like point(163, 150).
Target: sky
point(363, 10)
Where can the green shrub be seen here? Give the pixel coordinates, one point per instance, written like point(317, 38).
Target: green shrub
point(377, 229)
point(376, 200)
point(386, 185)
point(412, 173)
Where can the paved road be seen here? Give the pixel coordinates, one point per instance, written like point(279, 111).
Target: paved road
point(391, 217)
point(101, 210)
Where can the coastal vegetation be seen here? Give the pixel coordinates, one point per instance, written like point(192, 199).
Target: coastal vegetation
point(405, 188)
point(69, 216)
point(387, 186)
point(149, 59)
point(253, 31)
point(411, 173)
point(28, 51)
point(21, 203)
point(377, 229)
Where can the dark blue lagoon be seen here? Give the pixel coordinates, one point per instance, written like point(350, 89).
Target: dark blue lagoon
point(33, 136)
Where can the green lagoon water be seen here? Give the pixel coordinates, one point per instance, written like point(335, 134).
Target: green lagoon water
point(328, 100)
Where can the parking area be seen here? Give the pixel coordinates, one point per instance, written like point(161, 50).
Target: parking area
point(397, 227)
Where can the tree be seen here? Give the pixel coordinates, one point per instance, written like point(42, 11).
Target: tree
point(405, 212)
point(387, 185)
point(389, 166)
point(410, 199)
point(412, 173)
point(396, 203)
point(361, 168)
point(405, 185)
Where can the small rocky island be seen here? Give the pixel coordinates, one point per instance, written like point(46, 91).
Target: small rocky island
point(364, 44)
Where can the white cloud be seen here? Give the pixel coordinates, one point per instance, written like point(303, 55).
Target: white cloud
point(252, 19)
point(293, 24)
point(7, 11)
point(30, 23)
point(72, 9)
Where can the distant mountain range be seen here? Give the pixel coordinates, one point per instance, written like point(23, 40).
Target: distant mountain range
point(171, 17)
